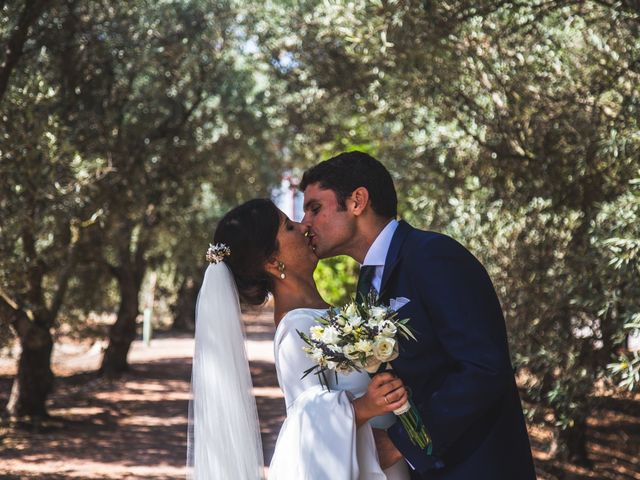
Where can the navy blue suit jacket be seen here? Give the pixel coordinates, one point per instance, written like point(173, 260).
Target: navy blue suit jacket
point(459, 371)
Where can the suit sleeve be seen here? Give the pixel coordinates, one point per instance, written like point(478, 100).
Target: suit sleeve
point(465, 314)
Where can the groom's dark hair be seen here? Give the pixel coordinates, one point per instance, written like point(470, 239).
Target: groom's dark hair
point(350, 170)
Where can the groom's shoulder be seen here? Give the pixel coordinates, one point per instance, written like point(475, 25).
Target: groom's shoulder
point(433, 243)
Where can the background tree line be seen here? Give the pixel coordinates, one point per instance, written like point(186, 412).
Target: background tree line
point(129, 128)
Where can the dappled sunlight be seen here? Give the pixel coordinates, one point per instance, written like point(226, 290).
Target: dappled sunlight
point(93, 470)
point(142, 396)
point(150, 421)
point(132, 427)
point(76, 411)
point(269, 392)
point(135, 426)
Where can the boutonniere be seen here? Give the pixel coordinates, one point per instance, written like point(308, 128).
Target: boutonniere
point(397, 303)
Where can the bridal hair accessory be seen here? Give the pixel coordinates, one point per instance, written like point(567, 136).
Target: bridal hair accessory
point(281, 270)
point(217, 252)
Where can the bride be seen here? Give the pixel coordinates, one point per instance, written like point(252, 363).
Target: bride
point(328, 432)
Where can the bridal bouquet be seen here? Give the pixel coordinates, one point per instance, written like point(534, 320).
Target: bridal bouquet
point(362, 336)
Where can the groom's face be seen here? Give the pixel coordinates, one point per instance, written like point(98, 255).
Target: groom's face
point(331, 228)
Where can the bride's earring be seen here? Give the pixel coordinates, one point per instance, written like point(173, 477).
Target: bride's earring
point(281, 270)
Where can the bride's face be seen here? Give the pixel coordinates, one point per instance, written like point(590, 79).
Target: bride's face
point(293, 247)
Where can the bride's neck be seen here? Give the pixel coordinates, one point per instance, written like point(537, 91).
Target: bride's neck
point(295, 293)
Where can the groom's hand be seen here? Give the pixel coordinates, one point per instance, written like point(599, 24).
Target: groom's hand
point(388, 454)
point(385, 393)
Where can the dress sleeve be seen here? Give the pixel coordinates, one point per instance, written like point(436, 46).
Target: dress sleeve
point(291, 360)
point(319, 439)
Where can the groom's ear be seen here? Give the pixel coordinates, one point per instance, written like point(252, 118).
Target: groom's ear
point(359, 200)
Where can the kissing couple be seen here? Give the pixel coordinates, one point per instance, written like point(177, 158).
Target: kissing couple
point(457, 373)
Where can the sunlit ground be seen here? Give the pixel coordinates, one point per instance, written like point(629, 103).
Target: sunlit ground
point(131, 428)
point(136, 427)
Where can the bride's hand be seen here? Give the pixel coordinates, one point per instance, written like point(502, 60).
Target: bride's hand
point(385, 393)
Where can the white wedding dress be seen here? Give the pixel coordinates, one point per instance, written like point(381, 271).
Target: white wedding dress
point(319, 439)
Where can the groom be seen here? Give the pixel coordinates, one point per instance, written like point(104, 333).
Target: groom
point(459, 372)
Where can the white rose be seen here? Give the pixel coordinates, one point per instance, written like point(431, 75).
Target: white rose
point(373, 323)
point(364, 346)
point(316, 332)
point(384, 349)
point(350, 351)
point(330, 335)
point(372, 364)
point(378, 313)
point(387, 328)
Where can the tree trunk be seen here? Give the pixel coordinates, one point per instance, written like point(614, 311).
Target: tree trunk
point(123, 331)
point(184, 310)
point(34, 380)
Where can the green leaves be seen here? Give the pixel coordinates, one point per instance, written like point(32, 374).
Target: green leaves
point(512, 127)
point(627, 370)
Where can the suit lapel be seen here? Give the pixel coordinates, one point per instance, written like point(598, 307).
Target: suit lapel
point(393, 255)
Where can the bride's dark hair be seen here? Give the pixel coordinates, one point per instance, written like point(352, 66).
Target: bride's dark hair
point(250, 231)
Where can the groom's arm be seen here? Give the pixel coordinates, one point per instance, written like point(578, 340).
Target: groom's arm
point(466, 317)
point(388, 454)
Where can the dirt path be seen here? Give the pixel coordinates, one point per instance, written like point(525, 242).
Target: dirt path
point(131, 428)
point(135, 428)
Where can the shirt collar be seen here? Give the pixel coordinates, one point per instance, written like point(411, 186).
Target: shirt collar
point(377, 253)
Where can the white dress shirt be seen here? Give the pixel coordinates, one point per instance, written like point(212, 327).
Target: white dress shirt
point(377, 253)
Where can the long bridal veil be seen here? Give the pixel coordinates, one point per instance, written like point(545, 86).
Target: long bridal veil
point(224, 432)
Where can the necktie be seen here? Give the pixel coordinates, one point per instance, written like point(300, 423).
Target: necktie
point(365, 281)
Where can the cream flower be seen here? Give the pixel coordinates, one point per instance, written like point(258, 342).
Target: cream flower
point(378, 313)
point(350, 351)
point(318, 356)
point(351, 311)
point(330, 335)
point(372, 364)
point(384, 349)
point(355, 322)
point(387, 328)
point(364, 346)
point(316, 332)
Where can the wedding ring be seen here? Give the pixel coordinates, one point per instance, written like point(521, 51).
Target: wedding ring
point(385, 400)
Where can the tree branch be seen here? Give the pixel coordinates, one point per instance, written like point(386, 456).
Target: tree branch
point(13, 315)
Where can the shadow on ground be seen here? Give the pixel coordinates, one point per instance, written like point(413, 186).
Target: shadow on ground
point(135, 427)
